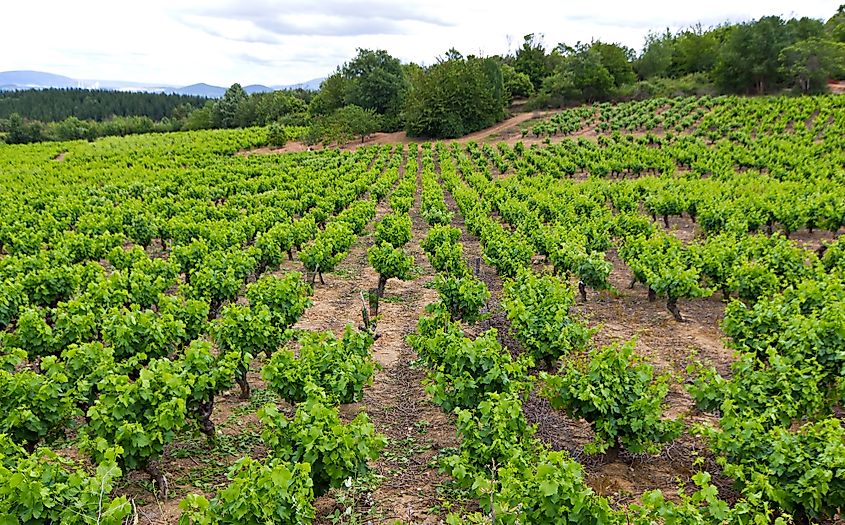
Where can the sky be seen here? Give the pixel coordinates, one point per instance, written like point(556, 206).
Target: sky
point(275, 42)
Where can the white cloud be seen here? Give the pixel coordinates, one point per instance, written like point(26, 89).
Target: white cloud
point(289, 41)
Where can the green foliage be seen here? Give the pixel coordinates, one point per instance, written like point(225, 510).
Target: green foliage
point(777, 389)
point(85, 365)
point(286, 297)
point(348, 122)
point(438, 236)
point(133, 332)
point(44, 487)
point(389, 262)
point(493, 432)
point(82, 106)
point(454, 97)
point(581, 76)
point(810, 63)
point(277, 135)
point(33, 333)
point(465, 370)
point(226, 112)
point(328, 248)
point(619, 396)
point(35, 405)
point(801, 471)
point(315, 435)
point(448, 258)
point(375, 81)
point(530, 60)
point(804, 323)
point(140, 416)
point(341, 367)
point(703, 507)
point(616, 59)
point(656, 57)
point(207, 375)
point(271, 492)
point(748, 59)
point(221, 275)
point(538, 308)
point(550, 489)
point(505, 252)
point(463, 295)
point(394, 229)
point(516, 83)
point(245, 331)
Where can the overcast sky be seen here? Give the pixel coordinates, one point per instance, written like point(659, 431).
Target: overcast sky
point(274, 42)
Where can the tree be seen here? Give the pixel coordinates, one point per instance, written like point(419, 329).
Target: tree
point(228, 109)
point(354, 121)
point(835, 26)
point(201, 118)
point(616, 59)
point(581, 77)
point(22, 131)
point(454, 97)
point(805, 28)
point(517, 85)
point(748, 60)
point(330, 97)
point(272, 107)
point(695, 51)
point(375, 80)
point(657, 55)
point(72, 128)
point(810, 63)
point(277, 135)
point(530, 59)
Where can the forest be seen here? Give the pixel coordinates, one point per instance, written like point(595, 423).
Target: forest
point(458, 94)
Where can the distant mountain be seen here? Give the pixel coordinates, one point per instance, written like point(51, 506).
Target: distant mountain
point(200, 90)
point(257, 88)
point(35, 79)
point(17, 80)
point(310, 85)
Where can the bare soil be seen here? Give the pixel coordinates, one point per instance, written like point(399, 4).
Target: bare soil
point(670, 346)
point(506, 130)
point(407, 484)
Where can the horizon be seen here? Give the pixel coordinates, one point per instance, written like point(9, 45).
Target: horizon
point(286, 42)
point(131, 85)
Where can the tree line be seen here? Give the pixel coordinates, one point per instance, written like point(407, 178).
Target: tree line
point(56, 104)
point(460, 94)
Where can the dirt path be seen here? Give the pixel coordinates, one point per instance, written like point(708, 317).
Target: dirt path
point(405, 487)
point(509, 125)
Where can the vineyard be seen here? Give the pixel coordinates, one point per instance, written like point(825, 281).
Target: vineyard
point(635, 314)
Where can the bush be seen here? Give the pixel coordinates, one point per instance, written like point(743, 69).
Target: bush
point(802, 471)
point(455, 97)
point(270, 492)
point(390, 263)
point(316, 435)
point(619, 396)
point(277, 135)
point(538, 308)
point(463, 295)
point(340, 367)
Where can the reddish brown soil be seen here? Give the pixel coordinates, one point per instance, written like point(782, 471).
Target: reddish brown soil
point(396, 403)
point(670, 346)
point(408, 481)
point(507, 130)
